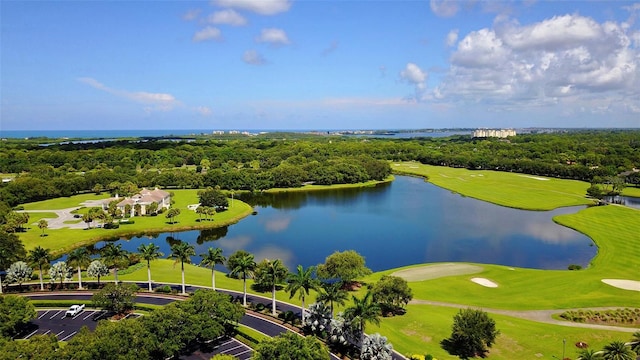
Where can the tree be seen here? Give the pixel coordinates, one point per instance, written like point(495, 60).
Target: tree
point(79, 258)
point(114, 255)
point(291, 346)
point(392, 292)
point(618, 350)
point(87, 219)
point(182, 252)
point(211, 258)
point(43, 225)
point(241, 262)
point(97, 269)
point(118, 298)
point(38, 347)
point(15, 314)
point(472, 333)
point(172, 213)
point(201, 210)
point(11, 250)
point(376, 347)
point(332, 293)
point(19, 272)
point(269, 274)
point(301, 282)
point(151, 208)
point(60, 271)
point(149, 252)
point(362, 312)
point(346, 266)
point(39, 256)
point(213, 198)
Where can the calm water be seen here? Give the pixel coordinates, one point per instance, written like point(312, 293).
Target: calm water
point(406, 222)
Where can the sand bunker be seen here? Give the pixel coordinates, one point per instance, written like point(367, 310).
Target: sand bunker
point(535, 177)
point(623, 284)
point(429, 272)
point(485, 282)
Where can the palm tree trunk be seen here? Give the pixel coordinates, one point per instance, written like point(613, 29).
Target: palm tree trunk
point(149, 273)
point(273, 300)
point(302, 312)
point(244, 298)
point(115, 273)
point(79, 278)
point(0, 284)
point(213, 280)
point(183, 291)
point(41, 283)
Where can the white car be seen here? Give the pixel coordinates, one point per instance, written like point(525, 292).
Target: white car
point(74, 310)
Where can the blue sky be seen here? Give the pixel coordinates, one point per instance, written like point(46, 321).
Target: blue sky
point(281, 64)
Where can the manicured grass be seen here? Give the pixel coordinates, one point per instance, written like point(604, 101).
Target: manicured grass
point(423, 327)
point(631, 191)
point(64, 202)
point(502, 188)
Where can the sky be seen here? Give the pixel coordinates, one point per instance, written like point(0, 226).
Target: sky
point(318, 65)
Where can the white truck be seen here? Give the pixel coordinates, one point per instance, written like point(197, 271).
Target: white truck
point(74, 310)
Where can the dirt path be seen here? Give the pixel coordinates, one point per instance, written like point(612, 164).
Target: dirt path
point(543, 316)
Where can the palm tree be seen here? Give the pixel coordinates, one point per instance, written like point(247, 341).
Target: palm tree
point(182, 252)
point(275, 273)
point(79, 257)
point(332, 293)
point(113, 255)
point(149, 252)
point(362, 312)
point(211, 258)
point(244, 265)
point(43, 224)
point(302, 282)
point(618, 350)
point(39, 256)
point(635, 342)
point(589, 354)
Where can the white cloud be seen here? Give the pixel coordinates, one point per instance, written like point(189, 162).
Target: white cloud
point(152, 101)
point(191, 15)
point(204, 110)
point(262, 7)
point(566, 60)
point(273, 36)
point(208, 33)
point(416, 77)
point(227, 17)
point(252, 57)
point(445, 8)
point(452, 37)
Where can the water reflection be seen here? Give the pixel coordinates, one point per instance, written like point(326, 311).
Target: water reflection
point(405, 222)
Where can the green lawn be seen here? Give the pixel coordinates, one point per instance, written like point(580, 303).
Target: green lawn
point(502, 188)
point(64, 202)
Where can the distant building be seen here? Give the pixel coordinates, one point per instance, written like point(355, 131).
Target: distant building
point(143, 198)
point(499, 133)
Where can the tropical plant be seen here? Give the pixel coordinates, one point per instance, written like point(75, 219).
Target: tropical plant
point(149, 252)
point(11, 250)
point(171, 214)
point(241, 262)
point(332, 293)
point(80, 258)
point(270, 274)
point(376, 347)
point(211, 258)
point(362, 312)
point(60, 271)
point(635, 342)
point(114, 255)
point(301, 282)
point(182, 252)
point(618, 350)
point(19, 272)
point(319, 319)
point(97, 269)
point(589, 354)
point(39, 256)
point(43, 225)
point(291, 346)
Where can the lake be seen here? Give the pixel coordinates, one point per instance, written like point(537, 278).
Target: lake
point(404, 222)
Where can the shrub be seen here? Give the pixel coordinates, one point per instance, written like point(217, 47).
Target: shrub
point(574, 267)
point(166, 289)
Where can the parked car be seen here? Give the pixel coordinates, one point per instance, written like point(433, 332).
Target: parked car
point(74, 310)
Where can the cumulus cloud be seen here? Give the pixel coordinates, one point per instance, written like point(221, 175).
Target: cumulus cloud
point(415, 76)
point(208, 33)
point(452, 37)
point(227, 17)
point(253, 57)
point(152, 101)
point(568, 57)
point(445, 8)
point(273, 36)
point(262, 7)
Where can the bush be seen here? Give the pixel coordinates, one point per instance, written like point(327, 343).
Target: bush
point(166, 289)
point(127, 222)
point(574, 267)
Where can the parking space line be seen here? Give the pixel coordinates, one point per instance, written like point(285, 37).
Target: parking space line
point(68, 336)
point(226, 342)
point(30, 335)
point(101, 315)
point(43, 314)
point(242, 353)
point(88, 316)
point(60, 333)
point(48, 331)
point(80, 313)
point(233, 348)
point(56, 314)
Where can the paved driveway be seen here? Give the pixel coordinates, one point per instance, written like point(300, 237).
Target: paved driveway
point(59, 222)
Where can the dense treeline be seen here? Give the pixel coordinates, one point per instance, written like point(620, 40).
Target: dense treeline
point(261, 163)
